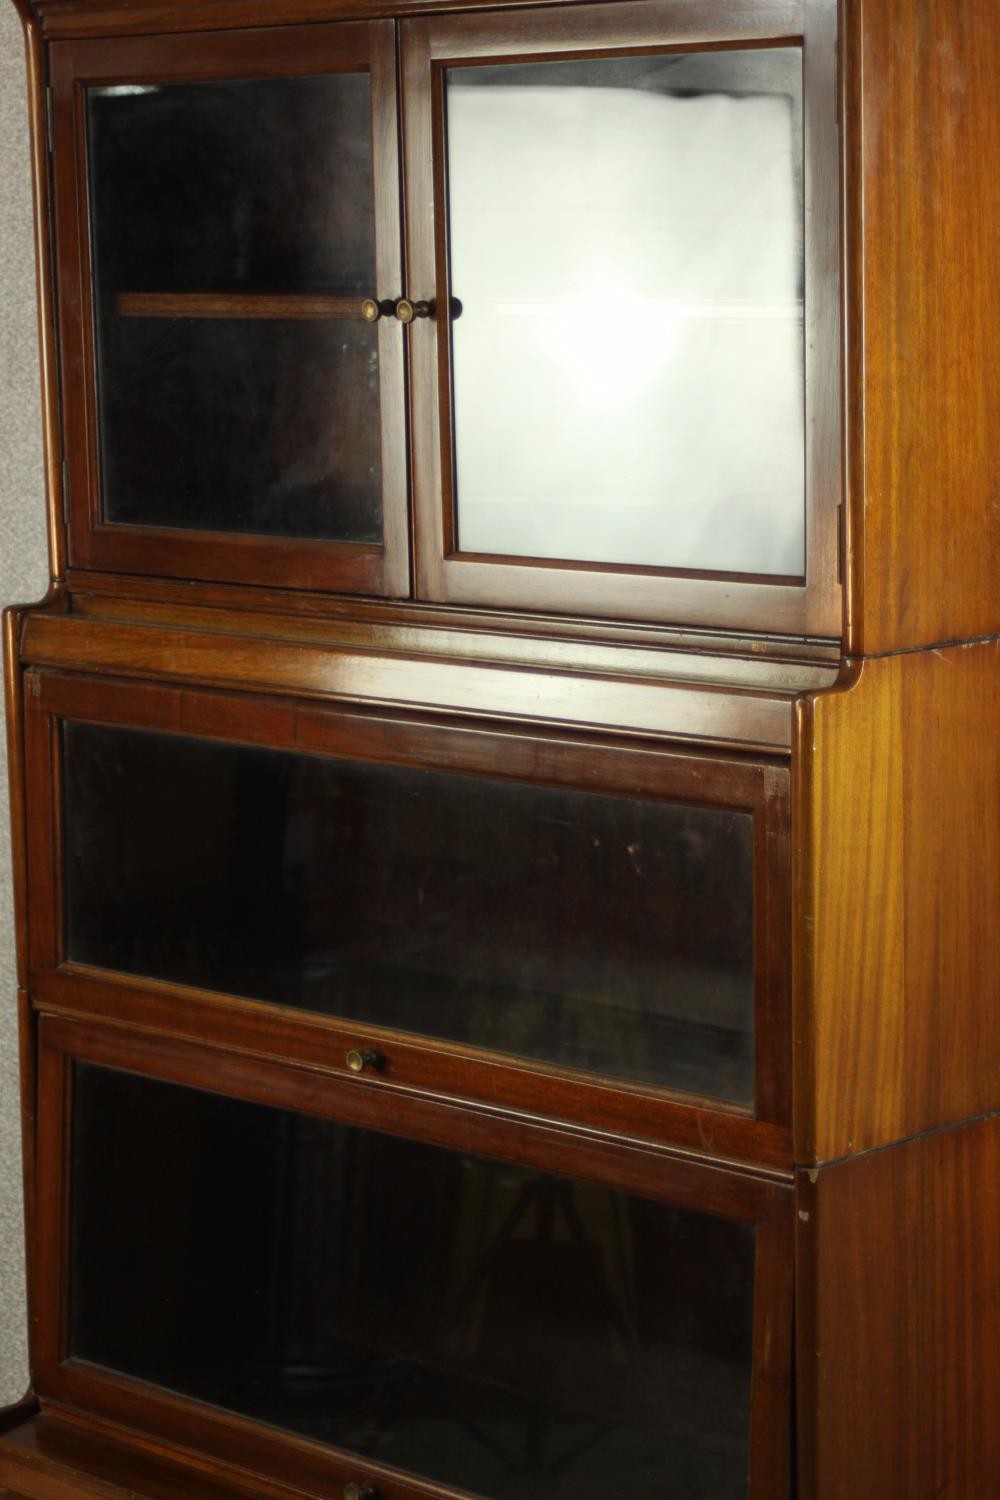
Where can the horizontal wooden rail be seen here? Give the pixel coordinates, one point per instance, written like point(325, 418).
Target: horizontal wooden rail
point(235, 305)
point(755, 719)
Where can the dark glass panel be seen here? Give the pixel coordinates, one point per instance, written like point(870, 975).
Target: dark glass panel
point(594, 931)
point(626, 241)
point(517, 1335)
point(236, 422)
point(252, 185)
point(268, 427)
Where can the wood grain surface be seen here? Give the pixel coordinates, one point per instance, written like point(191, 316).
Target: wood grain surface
point(899, 1322)
point(751, 718)
point(136, 17)
point(921, 117)
point(136, 598)
point(52, 1458)
point(896, 871)
point(236, 305)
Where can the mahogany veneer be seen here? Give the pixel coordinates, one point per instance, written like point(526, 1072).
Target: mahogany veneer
point(898, 824)
point(920, 124)
point(853, 715)
point(899, 1268)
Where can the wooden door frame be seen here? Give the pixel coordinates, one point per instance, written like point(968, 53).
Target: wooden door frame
point(812, 607)
point(758, 787)
point(765, 1200)
point(286, 51)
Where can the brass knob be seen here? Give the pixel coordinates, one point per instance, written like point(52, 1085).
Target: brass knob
point(360, 1492)
point(406, 310)
point(358, 1060)
point(371, 310)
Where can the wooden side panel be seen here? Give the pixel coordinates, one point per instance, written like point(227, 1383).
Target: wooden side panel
point(899, 1322)
point(922, 132)
point(897, 886)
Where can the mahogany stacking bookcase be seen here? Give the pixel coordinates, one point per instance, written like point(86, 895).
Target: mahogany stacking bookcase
point(505, 781)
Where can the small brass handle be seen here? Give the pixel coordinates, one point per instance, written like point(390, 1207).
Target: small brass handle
point(406, 310)
point(358, 1060)
point(371, 310)
point(360, 1492)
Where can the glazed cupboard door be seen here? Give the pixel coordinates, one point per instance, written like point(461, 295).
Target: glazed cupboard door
point(624, 388)
point(595, 933)
point(228, 238)
point(421, 1299)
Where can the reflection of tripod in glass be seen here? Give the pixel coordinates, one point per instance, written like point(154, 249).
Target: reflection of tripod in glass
point(547, 1216)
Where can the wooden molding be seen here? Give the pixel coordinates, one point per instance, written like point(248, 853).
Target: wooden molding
point(753, 718)
point(76, 18)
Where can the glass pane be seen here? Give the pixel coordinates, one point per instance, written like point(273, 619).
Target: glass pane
point(626, 244)
point(593, 931)
point(248, 426)
point(517, 1335)
point(243, 413)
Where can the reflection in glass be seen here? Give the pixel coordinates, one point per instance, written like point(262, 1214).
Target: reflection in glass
point(261, 426)
point(246, 419)
point(233, 185)
point(599, 932)
point(517, 1335)
point(626, 243)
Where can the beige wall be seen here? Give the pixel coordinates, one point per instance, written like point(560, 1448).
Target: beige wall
point(23, 575)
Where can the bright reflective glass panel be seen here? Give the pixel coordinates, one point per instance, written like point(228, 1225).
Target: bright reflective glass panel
point(514, 1334)
point(626, 243)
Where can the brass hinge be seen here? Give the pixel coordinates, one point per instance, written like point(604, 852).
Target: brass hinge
point(840, 544)
point(65, 492)
point(48, 117)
